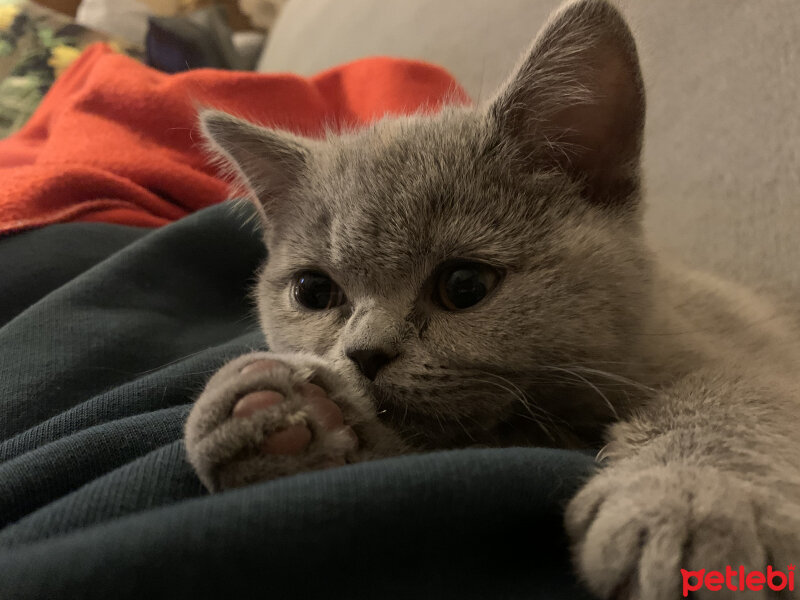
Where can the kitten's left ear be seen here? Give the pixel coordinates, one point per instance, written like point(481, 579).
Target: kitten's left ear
point(266, 162)
point(576, 101)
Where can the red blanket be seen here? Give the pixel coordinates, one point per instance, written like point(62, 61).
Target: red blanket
point(116, 141)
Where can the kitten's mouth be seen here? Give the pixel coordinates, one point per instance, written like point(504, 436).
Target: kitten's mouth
point(431, 427)
point(390, 410)
point(424, 429)
point(397, 412)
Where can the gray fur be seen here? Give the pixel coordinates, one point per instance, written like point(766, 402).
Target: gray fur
point(692, 381)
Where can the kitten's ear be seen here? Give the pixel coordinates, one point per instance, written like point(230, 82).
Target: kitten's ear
point(266, 162)
point(576, 101)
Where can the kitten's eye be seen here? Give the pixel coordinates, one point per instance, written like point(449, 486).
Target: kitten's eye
point(317, 291)
point(465, 284)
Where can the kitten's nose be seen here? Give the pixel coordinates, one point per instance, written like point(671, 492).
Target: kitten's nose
point(371, 360)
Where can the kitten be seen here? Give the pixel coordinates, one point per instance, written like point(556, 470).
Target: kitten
point(480, 277)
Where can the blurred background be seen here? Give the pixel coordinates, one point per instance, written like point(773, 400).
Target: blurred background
point(722, 146)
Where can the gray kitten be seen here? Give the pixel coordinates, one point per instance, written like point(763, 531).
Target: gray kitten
point(480, 277)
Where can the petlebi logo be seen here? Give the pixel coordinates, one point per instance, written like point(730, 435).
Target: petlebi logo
point(738, 580)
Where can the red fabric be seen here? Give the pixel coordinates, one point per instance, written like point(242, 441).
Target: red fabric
point(116, 141)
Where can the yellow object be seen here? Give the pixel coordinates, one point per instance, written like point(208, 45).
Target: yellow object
point(61, 57)
point(8, 12)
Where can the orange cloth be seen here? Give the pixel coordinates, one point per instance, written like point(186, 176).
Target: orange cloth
point(116, 141)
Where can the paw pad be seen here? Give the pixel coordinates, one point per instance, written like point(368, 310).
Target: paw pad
point(294, 439)
point(256, 401)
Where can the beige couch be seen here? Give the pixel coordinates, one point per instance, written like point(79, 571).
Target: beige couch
point(722, 156)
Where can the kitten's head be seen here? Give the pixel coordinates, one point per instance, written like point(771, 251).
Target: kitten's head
point(474, 269)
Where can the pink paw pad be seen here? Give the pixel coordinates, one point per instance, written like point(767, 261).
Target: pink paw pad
point(292, 440)
point(295, 438)
point(256, 401)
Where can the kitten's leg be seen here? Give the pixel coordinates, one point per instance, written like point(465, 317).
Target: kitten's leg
point(707, 476)
point(266, 415)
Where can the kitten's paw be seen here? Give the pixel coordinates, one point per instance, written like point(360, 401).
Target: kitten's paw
point(634, 529)
point(265, 415)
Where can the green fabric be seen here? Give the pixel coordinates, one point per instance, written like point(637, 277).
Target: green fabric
point(107, 333)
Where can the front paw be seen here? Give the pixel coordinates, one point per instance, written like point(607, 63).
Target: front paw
point(265, 415)
point(635, 528)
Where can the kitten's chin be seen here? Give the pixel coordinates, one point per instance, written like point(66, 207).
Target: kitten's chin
point(392, 409)
point(425, 427)
point(419, 428)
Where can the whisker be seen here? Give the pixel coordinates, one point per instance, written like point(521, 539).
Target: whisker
point(172, 362)
point(463, 428)
point(614, 377)
point(521, 398)
point(591, 385)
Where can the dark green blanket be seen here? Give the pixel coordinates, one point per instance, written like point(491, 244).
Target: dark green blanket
point(107, 333)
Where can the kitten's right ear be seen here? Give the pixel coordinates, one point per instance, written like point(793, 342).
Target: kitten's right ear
point(267, 163)
point(576, 102)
